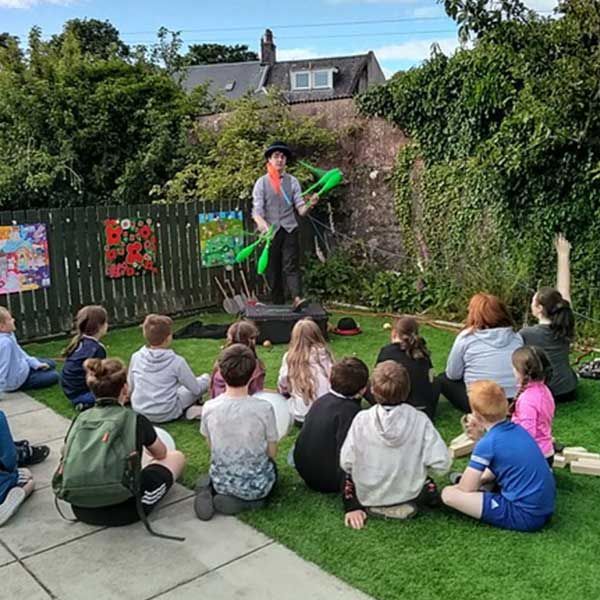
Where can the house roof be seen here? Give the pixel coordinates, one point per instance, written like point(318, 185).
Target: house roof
point(348, 72)
point(232, 80)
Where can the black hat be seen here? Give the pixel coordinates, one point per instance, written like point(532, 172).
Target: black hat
point(347, 326)
point(278, 147)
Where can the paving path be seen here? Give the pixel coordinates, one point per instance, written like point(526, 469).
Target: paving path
point(43, 556)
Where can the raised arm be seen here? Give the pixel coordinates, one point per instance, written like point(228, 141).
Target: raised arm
point(563, 271)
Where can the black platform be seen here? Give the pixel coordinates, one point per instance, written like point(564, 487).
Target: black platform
point(275, 321)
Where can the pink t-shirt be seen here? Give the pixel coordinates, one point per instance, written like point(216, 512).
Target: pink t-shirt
point(256, 383)
point(534, 411)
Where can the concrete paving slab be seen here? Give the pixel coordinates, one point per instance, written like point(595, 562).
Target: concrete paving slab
point(271, 573)
point(43, 472)
point(39, 426)
point(17, 583)
point(16, 403)
point(177, 493)
point(38, 526)
point(5, 556)
point(128, 563)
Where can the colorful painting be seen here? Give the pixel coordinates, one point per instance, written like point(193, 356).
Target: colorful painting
point(130, 248)
point(221, 237)
point(24, 261)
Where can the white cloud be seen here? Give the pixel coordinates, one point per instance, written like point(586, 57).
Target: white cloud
point(297, 53)
point(31, 3)
point(414, 49)
point(541, 5)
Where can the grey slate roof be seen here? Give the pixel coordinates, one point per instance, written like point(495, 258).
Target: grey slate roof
point(345, 80)
point(246, 76)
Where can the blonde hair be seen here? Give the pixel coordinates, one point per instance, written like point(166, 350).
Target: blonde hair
point(307, 343)
point(4, 315)
point(487, 399)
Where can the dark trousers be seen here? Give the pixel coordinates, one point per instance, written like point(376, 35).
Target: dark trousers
point(284, 265)
point(455, 392)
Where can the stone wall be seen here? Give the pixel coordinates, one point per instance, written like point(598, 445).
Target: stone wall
point(367, 154)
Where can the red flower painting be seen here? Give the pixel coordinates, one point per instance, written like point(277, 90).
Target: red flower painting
point(130, 247)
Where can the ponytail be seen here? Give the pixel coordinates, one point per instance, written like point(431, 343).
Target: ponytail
point(558, 311)
point(88, 321)
point(406, 331)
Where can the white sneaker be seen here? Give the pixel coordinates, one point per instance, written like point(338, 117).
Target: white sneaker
point(10, 506)
point(194, 412)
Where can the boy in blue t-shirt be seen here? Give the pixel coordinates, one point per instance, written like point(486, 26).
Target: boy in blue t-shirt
point(508, 456)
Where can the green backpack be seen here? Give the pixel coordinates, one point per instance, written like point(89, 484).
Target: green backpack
point(100, 462)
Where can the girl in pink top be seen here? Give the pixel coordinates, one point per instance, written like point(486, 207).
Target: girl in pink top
point(241, 332)
point(534, 405)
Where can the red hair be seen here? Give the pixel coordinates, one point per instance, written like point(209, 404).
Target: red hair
point(487, 311)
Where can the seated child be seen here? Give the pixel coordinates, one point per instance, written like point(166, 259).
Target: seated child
point(15, 484)
point(162, 386)
point(240, 332)
point(242, 435)
point(107, 379)
point(305, 368)
point(534, 405)
point(317, 449)
point(388, 451)
point(508, 456)
point(91, 324)
point(409, 349)
point(18, 370)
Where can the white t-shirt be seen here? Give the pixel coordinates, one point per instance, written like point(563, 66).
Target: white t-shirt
point(320, 365)
point(239, 430)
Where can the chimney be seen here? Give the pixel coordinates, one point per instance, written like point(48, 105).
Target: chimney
point(267, 48)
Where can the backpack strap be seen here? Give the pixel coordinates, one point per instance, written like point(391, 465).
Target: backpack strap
point(60, 512)
point(136, 467)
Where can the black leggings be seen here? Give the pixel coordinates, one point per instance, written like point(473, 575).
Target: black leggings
point(455, 392)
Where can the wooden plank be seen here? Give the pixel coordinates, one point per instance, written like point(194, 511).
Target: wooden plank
point(194, 254)
point(59, 258)
point(183, 227)
point(174, 250)
point(52, 292)
point(139, 281)
point(108, 284)
point(158, 279)
point(128, 212)
point(166, 259)
point(95, 264)
point(82, 227)
point(72, 255)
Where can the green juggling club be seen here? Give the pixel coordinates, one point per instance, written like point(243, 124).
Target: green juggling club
point(263, 261)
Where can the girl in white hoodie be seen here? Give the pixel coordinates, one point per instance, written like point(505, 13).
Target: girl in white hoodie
point(388, 452)
point(305, 368)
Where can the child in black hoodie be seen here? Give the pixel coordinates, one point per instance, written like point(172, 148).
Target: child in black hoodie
point(317, 450)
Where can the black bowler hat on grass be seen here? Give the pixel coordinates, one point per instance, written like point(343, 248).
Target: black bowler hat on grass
point(347, 326)
point(278, 147)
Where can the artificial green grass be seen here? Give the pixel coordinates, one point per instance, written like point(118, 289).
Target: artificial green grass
point(436, 555)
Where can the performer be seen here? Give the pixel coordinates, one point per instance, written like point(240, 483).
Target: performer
point(276, 199)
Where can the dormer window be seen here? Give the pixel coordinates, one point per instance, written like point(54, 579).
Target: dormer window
point(321, 79)
point(301, 80)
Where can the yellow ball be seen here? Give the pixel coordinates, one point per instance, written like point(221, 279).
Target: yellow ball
point(268, 344)
point(387, 325)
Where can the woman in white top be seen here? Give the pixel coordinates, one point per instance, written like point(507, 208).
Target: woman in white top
point(305, 368)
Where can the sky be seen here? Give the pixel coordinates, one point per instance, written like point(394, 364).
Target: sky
point(400, 32)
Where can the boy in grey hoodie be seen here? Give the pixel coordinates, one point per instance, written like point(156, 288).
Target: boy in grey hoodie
point(162, 386)
point(388, 452)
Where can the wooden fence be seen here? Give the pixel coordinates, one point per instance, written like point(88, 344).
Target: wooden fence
point(76, 242)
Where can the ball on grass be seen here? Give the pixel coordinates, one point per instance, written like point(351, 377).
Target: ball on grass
point(387, 325)
point(268, 344)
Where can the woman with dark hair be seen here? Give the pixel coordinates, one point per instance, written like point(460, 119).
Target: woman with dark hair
point(556, 326)
point(481, 351)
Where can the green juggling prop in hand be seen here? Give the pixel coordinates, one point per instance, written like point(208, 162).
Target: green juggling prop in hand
point(263, 260)
point(327, 179)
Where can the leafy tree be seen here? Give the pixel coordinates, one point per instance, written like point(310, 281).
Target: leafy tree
point(199, 54)
point(99, 39)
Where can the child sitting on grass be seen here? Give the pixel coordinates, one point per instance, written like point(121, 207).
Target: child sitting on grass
point(317, 449)
point(305, 368)
point(18, 370)
point(241, 433)
point(534, 406)
point(162, 385)
point(409, 349)
point(15, 484)
point(241, 332)
point(388, 452)
point(91, 323)
point(508, 457)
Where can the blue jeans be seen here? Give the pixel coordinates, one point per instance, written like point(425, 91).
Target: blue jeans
point(41, 378)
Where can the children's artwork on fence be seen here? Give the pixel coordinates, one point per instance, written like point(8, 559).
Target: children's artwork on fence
point(130, 247)
point(221, 237)
point(24, 262)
